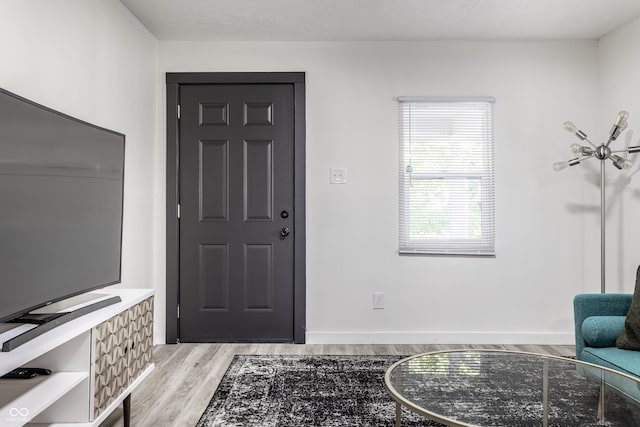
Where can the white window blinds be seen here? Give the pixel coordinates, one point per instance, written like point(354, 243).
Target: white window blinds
point(447, 176)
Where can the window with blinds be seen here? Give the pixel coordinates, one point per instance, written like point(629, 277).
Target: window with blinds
point(447, 176)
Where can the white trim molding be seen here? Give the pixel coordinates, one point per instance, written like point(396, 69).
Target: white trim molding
point(439, 337)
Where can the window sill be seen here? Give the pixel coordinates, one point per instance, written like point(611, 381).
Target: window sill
point(445, 253)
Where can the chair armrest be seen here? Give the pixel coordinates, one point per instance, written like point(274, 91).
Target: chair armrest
point(587, 305)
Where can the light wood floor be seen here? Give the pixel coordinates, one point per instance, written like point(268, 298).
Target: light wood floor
point(186, 375)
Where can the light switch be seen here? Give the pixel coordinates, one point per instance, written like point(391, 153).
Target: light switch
point(337, 176)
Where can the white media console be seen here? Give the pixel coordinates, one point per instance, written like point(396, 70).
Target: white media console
point(97, 361)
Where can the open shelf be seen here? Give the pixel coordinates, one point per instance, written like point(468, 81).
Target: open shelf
point(22, 400)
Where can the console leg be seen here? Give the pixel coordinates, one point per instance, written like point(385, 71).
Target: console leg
point(126, 409)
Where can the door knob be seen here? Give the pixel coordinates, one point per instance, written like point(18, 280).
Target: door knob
point(284, 232)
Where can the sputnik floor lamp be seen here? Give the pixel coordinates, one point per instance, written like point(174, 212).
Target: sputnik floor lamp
point(603, 153)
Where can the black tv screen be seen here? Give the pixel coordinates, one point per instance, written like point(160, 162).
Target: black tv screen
point(61, 192)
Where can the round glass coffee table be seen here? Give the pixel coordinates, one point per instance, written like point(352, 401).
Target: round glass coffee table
point(506, 388)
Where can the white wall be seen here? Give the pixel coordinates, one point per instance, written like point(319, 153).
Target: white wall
point(93, 60)
point(525, 294)
point(619, 61)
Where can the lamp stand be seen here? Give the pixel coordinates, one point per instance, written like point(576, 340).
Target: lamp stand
point(601, 152)
point(602, 228)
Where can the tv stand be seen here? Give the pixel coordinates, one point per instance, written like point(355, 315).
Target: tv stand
point(48, 321)
point(96, 359)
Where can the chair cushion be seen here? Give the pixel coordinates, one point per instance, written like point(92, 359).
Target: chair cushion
point(602, 331)
point(629, 338)
point(614, 358)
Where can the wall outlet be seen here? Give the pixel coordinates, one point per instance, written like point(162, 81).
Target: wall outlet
point(337, 176)
point(378, 300)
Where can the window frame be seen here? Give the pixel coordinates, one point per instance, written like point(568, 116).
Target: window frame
point(483, 246)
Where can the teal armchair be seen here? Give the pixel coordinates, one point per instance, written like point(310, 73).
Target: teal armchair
point(599, 319)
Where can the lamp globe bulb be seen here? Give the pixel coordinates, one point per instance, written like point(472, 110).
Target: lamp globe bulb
point(560, 166)
point(575, 148)
point(622, 117)
point(570, 127)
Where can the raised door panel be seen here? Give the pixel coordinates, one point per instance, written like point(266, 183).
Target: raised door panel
point(258, 180)
point(214, 180)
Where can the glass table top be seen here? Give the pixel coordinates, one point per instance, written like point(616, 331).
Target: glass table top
point(504, 388)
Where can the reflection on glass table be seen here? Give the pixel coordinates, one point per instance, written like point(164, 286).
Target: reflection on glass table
point(505, 388)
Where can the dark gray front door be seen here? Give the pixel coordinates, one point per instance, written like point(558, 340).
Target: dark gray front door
point(236, 189)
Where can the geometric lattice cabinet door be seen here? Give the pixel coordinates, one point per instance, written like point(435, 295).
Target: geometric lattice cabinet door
point(111, 371)
point(141, 337)
point(124, 346)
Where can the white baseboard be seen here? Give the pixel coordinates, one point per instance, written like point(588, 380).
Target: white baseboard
point(435, 337)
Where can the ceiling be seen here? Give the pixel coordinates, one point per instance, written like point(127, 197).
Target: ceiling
point(360, 20)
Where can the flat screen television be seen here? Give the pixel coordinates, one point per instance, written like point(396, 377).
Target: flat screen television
point(61, 197)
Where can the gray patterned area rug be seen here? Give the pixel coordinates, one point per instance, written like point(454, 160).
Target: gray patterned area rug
point(295, 390)
point(292, 390)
